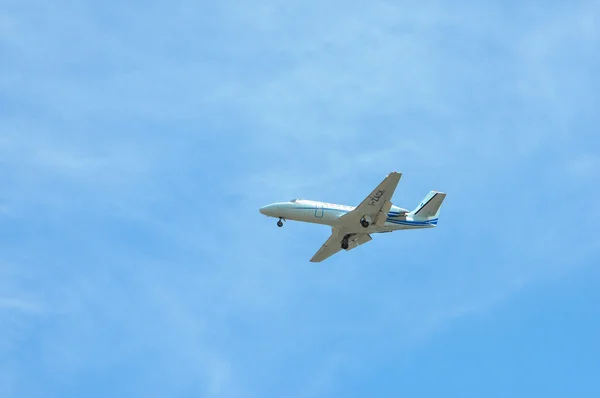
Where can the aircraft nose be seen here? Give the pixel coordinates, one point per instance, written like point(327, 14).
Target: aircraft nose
point(265, 209)
point(268, 210)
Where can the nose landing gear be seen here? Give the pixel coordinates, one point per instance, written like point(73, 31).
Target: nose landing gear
point(280, 223)
point(364, 223)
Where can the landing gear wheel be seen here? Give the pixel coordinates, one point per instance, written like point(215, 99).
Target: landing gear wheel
point(364, 223)
point(344, 245)
point(280, 223)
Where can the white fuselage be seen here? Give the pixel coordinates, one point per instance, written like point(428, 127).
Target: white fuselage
point(329, 213)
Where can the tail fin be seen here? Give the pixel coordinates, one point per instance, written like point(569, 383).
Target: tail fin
point(429, 206)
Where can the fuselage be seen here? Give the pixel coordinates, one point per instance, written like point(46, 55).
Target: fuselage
point(329, 213)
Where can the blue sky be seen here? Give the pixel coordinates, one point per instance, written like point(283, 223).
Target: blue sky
point(138, 140)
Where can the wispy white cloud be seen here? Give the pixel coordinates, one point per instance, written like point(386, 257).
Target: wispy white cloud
point(585, 166)
point(11, 303)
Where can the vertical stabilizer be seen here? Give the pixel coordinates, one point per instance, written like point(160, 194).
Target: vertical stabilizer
point(429, 206)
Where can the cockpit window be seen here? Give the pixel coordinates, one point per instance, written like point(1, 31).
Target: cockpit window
point(293, 200)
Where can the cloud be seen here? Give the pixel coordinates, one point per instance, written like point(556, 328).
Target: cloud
point(584, 166)
point(10, 303)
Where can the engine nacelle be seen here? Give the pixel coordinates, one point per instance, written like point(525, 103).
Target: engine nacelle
point(396, 211)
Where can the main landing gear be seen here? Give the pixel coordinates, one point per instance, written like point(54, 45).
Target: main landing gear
point(364, 223)
point(280, 223)
point(345, 242)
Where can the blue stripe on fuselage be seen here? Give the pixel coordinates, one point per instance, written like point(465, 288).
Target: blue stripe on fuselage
point(390, 218)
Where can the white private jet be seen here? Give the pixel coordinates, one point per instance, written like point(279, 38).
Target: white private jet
point(352, 226)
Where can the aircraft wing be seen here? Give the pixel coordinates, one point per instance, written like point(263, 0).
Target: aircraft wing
point(376, 206)
point(334, 244)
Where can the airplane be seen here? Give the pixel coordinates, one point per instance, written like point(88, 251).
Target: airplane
point(353, 226)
